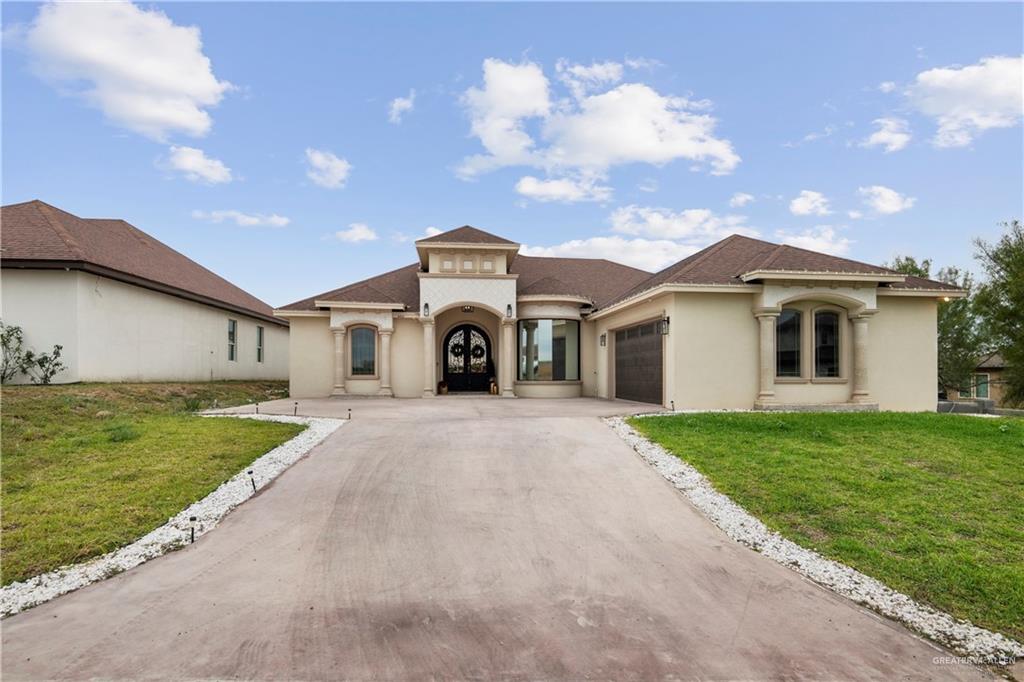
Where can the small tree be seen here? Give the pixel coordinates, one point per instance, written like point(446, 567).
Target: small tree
point(17, 360)
point(960, 342)
point(1000, 302)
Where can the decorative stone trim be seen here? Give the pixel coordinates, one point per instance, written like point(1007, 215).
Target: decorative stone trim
point(959, 635)
point(175, 533)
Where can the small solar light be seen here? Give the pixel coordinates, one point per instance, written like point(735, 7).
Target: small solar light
point(295, 410)
point(257, 408)
point(350, 413)
point(252, 480)
point(192, 520)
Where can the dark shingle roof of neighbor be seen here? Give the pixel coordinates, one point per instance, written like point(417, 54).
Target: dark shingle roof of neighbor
point(36, 234)
point(467, 234)
point(994, 361)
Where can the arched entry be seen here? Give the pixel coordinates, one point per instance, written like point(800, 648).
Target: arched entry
point(467, 356)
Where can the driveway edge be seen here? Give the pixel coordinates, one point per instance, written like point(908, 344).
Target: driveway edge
point(978, 645)
point(174, 534)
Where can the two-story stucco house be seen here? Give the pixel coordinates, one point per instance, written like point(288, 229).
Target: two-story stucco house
point(742, 324)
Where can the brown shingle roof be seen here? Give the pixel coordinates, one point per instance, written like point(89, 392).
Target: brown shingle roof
point(398, 286)
point(36, 234)
point(467, 234)
point(605, 282)
point(723, 262)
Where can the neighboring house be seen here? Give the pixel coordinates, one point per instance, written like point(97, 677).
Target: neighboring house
point(986, 382)
point(126, 307)
point(741, 324)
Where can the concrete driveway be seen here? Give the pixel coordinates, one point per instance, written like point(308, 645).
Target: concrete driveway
point(463, 539)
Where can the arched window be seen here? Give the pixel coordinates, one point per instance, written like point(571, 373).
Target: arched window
point(826, 344)
point(787, 344)
point(364, 351)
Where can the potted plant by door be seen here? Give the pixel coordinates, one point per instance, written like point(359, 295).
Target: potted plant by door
point(442, 387)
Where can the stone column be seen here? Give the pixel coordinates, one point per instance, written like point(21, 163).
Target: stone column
point(508, 358)
point(766, 388)
point(339, 361)
point(861, 392)
point(429, 373)
point(385, 362)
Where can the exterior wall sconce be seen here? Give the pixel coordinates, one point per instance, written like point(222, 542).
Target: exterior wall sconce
point(663, 327)
point(508, 311)
point(468, 308)
point(604, 340)
point(426, 310)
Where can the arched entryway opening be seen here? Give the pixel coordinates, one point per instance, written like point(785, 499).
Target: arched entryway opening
point(467, 359)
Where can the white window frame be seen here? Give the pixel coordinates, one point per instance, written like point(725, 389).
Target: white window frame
point(260, 336)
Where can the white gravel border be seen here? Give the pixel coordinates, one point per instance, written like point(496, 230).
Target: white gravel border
point(740, 525)
point(175, 533)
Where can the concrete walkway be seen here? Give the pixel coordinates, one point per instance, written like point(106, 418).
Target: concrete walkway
point(463, 539)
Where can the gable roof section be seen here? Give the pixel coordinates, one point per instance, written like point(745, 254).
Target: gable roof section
point(36, 234)
point(467, 234)
point(398, 286)
point(723, 262)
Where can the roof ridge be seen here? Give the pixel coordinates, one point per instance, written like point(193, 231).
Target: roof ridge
point(55, 224)
point(780, 248)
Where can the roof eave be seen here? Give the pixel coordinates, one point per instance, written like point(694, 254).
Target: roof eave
point(827, 275)
point(926, 293)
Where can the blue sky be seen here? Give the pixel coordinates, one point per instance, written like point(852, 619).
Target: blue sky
point(633, 132)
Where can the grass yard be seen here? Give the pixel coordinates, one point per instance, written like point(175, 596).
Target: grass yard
point(88, 468)
point(932, 505)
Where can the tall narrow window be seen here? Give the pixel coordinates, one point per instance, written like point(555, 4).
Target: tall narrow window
point(826, 344)
point(364, 352)
point(259, 344)
point(787, 344)
point(232, 340)
point(981, 386)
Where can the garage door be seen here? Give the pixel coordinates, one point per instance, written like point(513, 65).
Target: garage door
point(638, 359)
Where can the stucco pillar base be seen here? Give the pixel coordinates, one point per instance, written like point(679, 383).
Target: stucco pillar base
point(429, 349)
point(385, 364)
point(765, 404)
point(339, 361)
point(861, 395)
point(766, 357)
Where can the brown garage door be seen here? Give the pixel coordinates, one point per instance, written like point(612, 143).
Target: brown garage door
point(638, 359)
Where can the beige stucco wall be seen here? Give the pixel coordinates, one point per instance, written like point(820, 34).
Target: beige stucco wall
point(311, 357)
point(903, 354)
point(716, 351)
point(120, 332)
point(407, 359)
point(44, 303)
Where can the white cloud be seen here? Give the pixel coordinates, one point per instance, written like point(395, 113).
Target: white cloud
point(402, 237)
point(648, 185)
point(643, 63)
point(141, 70)
point(886, 86)
point(646, 254)
point(855, 215)
point(885, 200)
point(740, 199)
point(356, 232)
point(564, 190)
point(822, 238)
point(893, 134)
point(966, 101)
point(326, 169)
point(242, 219)
point(582, 79)
point(698, 226)
point(809, 203)
point(197, 166)
point(511, 93)
point(586, 135)
point(401, 106)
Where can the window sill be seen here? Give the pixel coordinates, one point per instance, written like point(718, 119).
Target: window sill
point(363, 377)
point(548, 382)
point(790, 380)
point(829, 380)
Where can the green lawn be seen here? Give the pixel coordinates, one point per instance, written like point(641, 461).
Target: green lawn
point(88, 468)
point(932, 505)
